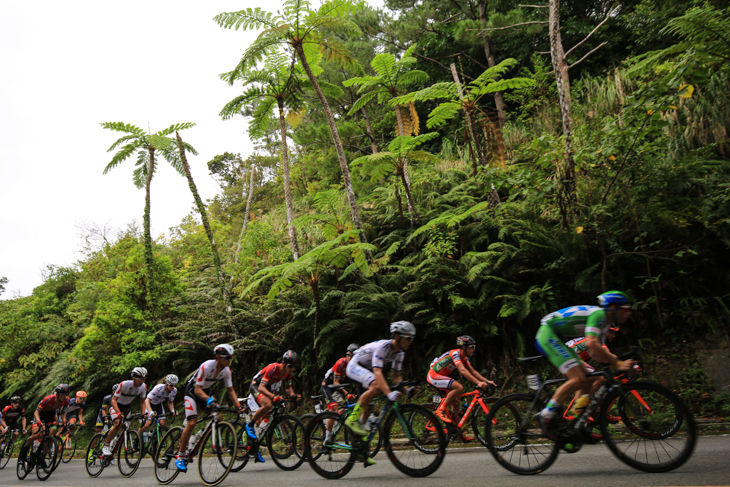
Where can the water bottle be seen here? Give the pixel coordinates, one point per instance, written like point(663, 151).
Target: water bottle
point(114, 442)
point(36, 444)
point(371, 419)
point(463, 409)
point(533, 382)
point(146, 436)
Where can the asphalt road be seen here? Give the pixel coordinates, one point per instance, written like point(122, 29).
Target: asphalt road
point(592, 466)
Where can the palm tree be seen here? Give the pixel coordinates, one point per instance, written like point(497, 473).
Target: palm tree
point(145, 146)
point(307, 32)
point(391, 78)
point(278, 86)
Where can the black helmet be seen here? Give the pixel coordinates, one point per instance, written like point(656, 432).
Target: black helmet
point(290, 357)
point(15, 399)
point(62, 389)
point(351, 348)
point(465, 341)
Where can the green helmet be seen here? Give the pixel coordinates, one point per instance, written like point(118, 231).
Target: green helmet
point(613, 297)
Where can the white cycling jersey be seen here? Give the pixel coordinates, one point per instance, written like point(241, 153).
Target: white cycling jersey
point(159, 394)
point(204, 377)
point(378, 354)
point(127, 391)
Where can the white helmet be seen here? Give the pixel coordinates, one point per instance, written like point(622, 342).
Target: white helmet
point(171, 379)
point(139, 373)
point(224, 350)
point(403, 328)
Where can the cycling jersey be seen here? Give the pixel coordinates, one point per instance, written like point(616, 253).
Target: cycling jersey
point(51, 404)
point(204, 377)
point(378, 354)
point(336, 371)
point(580, 347)
point(160, 394)
point(127, 391)
point(105, 404)
point(448, 363)
point(271, 376)
point(11, 414)
point(74, 405)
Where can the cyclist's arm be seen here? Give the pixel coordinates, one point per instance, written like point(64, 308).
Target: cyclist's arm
point(116, 406)
point(603, 355)
point(143, 406)
point(147, 406)
point(265, 391)
point(171, 405)
point(380, 381)
point(37, 416)
point(466, 370)
point(198, 391)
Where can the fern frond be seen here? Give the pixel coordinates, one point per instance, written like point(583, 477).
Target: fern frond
point(248, 19)
point(442, 114)
point(384, 66)
point(413, 77)
point(123, 127)
point(506, 84)
point(364, 100)
point(490, 74)
point(176, 128)
point(121, 156)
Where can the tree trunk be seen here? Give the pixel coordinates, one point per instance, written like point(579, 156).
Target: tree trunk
point(567, 200)
point(245, 222)
point(415, 217)
point(489, 53)
point(287, 184)
point(148, 256)
point(206, 225)
point(369, 131)
point(354, 212)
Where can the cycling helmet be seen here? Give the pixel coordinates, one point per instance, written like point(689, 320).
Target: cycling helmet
point(613, 297)
point(14, 399)
point(139, 373)
point(290, 357)
point(403, 328)
point(171, 379)
point(224, 350)
point(80, 395)
point(351, 348)
point(115, 387)
point(465, 341)
point(62, 389)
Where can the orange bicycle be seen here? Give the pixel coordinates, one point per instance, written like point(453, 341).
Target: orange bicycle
point(481, 398)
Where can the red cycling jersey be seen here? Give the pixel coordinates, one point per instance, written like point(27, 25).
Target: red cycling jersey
point(271, 375)
point(338, 370)
point(50, 403)
point(447, 363)
point(10, 414)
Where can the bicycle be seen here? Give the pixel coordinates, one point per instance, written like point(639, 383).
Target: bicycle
point(7, 444)
point(215, 444)
point(281, 434)
point(656, 431)
point(411, 447)
point(42, 456)
point(478, 398)
point(319, 432)
point(149, 444)
point(128, 451)
point(67, 444)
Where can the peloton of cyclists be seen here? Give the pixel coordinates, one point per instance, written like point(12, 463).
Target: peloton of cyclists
point(265, 389)
point(440, 376)
point(336, 399)
point(45, 416)
point(198, 395)
point(594, 323)
point(366, 370)
point(121, 403)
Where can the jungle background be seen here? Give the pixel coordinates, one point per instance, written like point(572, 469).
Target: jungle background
point(464, 199)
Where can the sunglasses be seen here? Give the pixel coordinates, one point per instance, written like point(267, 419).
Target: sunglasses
point(625, 306)
point(472, 347)
point(408, 337)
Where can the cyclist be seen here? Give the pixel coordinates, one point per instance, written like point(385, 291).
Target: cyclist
point(580, 346)
point(156, 399)
point(121, 403)
point(101, 418)
point(45, 417)
point(366, 370)
point(336, 399)
point(265, 388)
point(593, 322)
point(440, 376)
point(198, 394)
point(75, 411)
point(10, 416)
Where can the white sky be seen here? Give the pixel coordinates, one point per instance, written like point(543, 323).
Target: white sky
point(65, 67)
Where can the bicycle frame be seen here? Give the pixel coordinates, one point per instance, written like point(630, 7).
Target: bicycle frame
point(477, 398)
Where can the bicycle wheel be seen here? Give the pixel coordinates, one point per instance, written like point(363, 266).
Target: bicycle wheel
point(657, 432)
point(22, 469)
point(432, 428)
point(241, 438)
point(47, 456)
point(479, 419)
point(68, 449)
point(165, 469)
point(129, 453)
point(515, 438)
point(306, 418)
point(334, 458)
point(414, 449)
point(285, 442)
point(7, 452)
point(215, 458)
point(93, 459)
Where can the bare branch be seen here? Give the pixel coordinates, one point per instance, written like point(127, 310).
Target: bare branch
point(612, 12)
point(484, 31)
point(535, 6)
point(589, 53)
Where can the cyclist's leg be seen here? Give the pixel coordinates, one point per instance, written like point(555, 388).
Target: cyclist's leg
point(449, 392)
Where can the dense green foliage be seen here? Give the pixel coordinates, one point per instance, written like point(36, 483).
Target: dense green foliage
point(652, 217)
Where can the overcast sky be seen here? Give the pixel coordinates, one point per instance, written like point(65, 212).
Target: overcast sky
point(65, 67)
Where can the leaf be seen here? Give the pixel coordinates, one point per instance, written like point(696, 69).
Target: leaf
point(579, 230)
point(159, 142)
point(686, 90)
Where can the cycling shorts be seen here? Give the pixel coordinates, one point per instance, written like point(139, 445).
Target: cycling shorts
point(47, 417)
point(159, 410)
point(360, 375)
point(440, 382)
point(124, 409)
point(73, 415)
point(560, 355)
point(13, 425)
point(192, 405)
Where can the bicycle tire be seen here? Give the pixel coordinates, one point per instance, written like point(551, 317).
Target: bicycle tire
point(67, 453)
point(242, 450)
point(405, 441)
point(328, 461)
point(447, 429)
point(306, 418)
point(129, 453)
point(285, 442)
point(164, 459)
point(20, 469)
point(96, 465)
point(520, 448)
point(215, 458)
point(7, 451)
point(479, 419)
point(653, 440)
point(47, 456)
